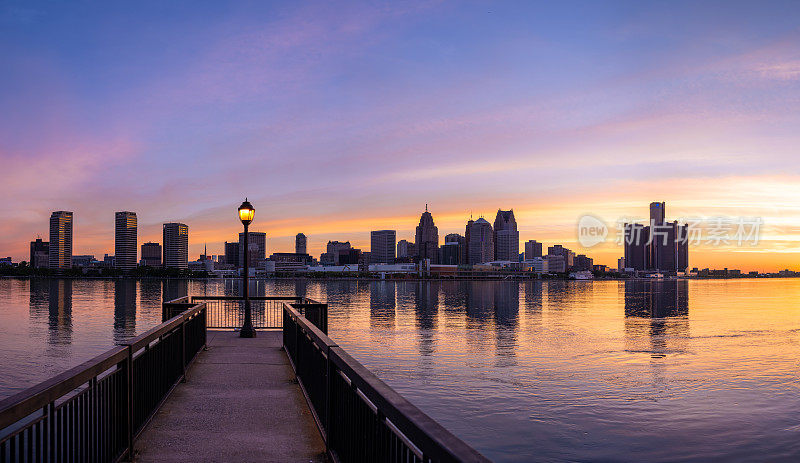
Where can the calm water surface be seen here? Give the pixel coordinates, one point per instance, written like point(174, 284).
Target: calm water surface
point(535, 371)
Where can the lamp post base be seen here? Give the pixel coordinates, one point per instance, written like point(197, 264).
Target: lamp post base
point(247, 332)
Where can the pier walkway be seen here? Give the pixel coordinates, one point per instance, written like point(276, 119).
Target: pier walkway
point(240, 402)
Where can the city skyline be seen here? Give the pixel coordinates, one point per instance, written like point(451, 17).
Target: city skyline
point(693, 104)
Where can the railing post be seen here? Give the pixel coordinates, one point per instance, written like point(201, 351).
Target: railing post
point(183, 350)
point(328, 391)
point(129, 385)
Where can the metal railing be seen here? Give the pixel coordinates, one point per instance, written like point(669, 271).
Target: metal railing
point(93, 412)
point(227, 312)
point(360, 417)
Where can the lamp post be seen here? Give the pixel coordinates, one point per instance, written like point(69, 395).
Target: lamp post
point(246, 213)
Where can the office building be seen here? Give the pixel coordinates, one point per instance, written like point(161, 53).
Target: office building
point(461, 257)
point(334, 252)
point(151, 255)
point(40, 254)
point(559, 250)
point(300, 244)
point(405, 251)
point(257, 242)
point(533, 249)
point(427, 238)
point(480, 241)
point(506, 237)
point(556, 263)
point(660, 247)
point(582, 263)
point(232, 253)
point(125, 240)
point(382, 246)
point(60, 248)
point(176, 245)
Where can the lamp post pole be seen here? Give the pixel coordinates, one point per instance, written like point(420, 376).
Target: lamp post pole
point(247, 330)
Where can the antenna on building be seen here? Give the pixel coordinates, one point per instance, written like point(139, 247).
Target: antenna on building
point(426, 207)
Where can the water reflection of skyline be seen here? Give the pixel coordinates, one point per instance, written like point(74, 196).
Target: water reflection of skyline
point(656, 316)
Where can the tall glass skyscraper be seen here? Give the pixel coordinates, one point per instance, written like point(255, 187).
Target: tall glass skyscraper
point(61, 241)
point(125, 240)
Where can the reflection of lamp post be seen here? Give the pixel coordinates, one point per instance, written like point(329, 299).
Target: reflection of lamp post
point(246, 213)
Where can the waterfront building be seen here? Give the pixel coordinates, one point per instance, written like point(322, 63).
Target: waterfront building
point(427, 238)
point(582, 263)
point(176, 245)
point(556, 263)
point(60, 247)
point(300, 244)
point(449, 253)
point(232, 253)
point(558, 250)
point(257, 242)
point(506, 236)
point(537, 264)
point(82, 260)
point(382, 246)
point(405, 251)
point(40, 254)
point(621, 264)
point(533, 249)
point(461, 250)
point(287, 262)
point(151, 255)
point(660, 247)
point(125, 240)
point(480, 241)
point(336, 251)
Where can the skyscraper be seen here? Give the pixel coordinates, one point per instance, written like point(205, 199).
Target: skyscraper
point(506, 236)
point(125, 240)
point(300, 244)
point(636, 237)
point(257, 241)
point(558, 250)
point(382, 246)
point(461, 249)
point(533, 249)
point(60, 252)
point(151, 255)
point(427, 238)
point(232, 253)
point(40, 254)
point(176, 245)
point(662, 246)
point(480, 241)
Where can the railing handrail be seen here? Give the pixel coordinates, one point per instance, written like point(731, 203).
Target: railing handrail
point(240, 298)
point(34, 398)
point(408, 418)
point(154, 333)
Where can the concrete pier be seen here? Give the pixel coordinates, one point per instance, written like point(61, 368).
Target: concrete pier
point(240, 402)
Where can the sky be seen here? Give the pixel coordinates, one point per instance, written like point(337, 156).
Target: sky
point(337, 118)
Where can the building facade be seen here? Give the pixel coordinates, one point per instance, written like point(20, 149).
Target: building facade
point(427, 238)
point(558, 250)
point(300, 244)
point(60, 248)
point(382, 246)
point(151, 255)
point(506, 236)
point(480, 241)
point(533, 249)
point(125, 240)
point(461, 257)
point(660, 247)
point(40, 254)
point(257, 242)
point(232, 253)
point(176, 245)
point(405, 251)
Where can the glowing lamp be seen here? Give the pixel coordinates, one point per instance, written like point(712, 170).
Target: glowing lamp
point(246, 212)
